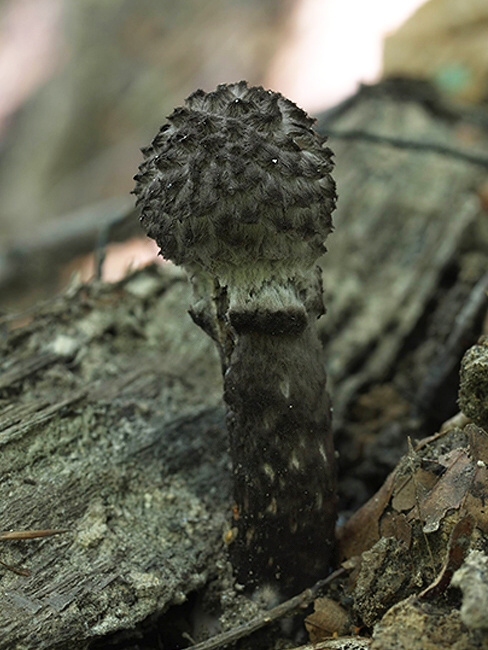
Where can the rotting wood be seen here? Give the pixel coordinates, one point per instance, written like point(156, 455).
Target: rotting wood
point(406, 260)
point(82, 448)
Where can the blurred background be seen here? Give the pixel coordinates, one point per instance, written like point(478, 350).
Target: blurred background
point(86, 84)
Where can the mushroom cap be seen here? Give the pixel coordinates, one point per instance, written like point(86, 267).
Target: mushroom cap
point(237, 177)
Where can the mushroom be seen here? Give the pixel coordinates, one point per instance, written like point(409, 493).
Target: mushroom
point(236, 188)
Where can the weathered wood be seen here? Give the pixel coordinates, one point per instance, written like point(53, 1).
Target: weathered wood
point(111, 423)
point(405, 269)
point(100, 432)
point(402, 224)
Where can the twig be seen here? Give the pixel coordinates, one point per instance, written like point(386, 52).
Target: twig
point(26, 534)
point(104, 238)
point(284, 609)
point(403, 143)
point(31, 534)
point(339, 643)
point(20, 572)
point(38, 257)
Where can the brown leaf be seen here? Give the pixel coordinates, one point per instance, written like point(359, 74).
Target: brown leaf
point(478, 443)
point(458, 547)
point(449, 491)
point(406, 494)
point(456, 479)
point(328, 618)
point(362, 530)
point(395, 524)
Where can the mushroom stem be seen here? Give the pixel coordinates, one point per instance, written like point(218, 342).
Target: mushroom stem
point(278, 418)
point(283, 459)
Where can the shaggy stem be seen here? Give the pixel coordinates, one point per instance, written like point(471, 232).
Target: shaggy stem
point(278, 418)
point(283, 459)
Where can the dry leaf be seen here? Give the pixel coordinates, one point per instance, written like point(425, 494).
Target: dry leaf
point(448, 492)
point(362, 530)
point(458, 548)
point(328, 618)
point(396, 525)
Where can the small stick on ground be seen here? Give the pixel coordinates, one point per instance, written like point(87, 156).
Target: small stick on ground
point(270, 616)
point(26, 534)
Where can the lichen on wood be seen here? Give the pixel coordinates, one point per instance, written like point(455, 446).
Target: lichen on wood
point(101, 433)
